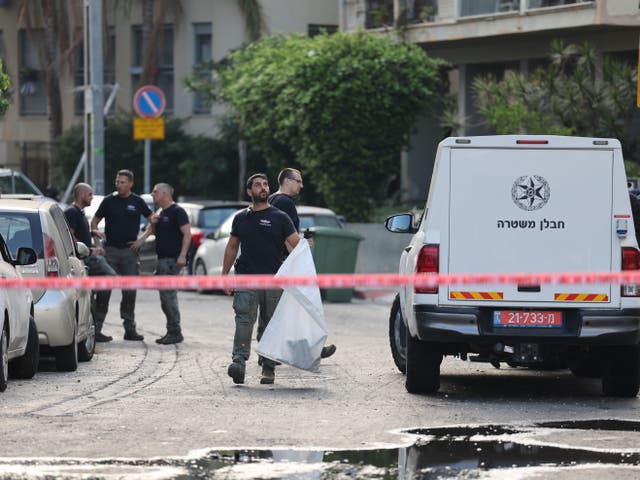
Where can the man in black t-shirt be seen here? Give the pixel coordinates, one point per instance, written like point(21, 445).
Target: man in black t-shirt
point(260, 233)
point(96, 264)
point(173, 237)
point(290, 184)
point(122, 211)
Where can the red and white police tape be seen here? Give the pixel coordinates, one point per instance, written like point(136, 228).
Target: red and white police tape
point(327, 280)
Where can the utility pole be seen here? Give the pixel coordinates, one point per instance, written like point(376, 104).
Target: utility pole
point(94, 95)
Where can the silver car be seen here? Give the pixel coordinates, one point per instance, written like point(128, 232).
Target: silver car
point(19, 352)
point(65, 326)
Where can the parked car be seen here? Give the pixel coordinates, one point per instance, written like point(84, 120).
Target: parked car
point(64, 324)
point(507, 205)
point(205, 219)
point(209, 256)
point(12, 182)
point(19, 349)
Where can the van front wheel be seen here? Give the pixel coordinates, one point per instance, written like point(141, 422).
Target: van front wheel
point(423, 366)
point(621, 374)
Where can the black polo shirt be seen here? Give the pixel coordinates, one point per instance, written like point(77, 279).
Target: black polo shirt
point(79, 224)
point(122, 218)
point(262, 237)
point(168, 234)
point(285, 202)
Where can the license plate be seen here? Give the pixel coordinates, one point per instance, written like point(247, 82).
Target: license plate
point(539, 319)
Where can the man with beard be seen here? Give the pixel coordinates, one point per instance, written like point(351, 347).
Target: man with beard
point(261, 233)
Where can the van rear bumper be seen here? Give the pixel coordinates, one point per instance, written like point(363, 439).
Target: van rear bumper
point(580, 326)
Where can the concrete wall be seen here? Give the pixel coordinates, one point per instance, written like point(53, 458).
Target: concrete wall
point(380, 250)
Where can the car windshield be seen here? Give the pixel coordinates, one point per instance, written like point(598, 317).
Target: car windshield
point(212, 218)
point(307, 221)
point(15, 183)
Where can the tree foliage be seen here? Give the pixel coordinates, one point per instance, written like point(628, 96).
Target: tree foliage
point(578, 93)
point(5, 87)
point(340, 106)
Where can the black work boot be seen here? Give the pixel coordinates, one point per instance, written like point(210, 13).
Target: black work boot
point(236, 372)
point(102, 338)
point(170, 338)
point(268, 374)
point(328, 350)
point(133, 335)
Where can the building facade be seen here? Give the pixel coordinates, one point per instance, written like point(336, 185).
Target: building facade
point(198, 31)
point(480, 37)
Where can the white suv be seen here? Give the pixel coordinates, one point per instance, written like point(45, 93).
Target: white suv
point(65, 326)
point(522, 205)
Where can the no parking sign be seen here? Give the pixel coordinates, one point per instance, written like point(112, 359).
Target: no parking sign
point(149, 102)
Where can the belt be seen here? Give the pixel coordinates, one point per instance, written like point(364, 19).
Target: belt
point(118, 245)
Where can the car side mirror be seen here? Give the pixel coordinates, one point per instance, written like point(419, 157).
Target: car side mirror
point(82, 251)
point(402, 223)
point(26, 256)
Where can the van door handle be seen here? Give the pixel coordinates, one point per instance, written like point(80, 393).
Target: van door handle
point(408, 249)
point(529, 288)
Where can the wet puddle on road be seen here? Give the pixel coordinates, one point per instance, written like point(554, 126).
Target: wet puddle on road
point(573, 449)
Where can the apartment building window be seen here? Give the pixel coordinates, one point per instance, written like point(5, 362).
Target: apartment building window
point(33, 96)
point(378, 13)
point(553, 3)
point(163, 68)
point(314, 29)
point(202, 45)
point(109, 71)
point(485, 7)
point(419, 11)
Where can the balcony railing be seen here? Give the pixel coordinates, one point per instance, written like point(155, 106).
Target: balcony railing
point(488, 7)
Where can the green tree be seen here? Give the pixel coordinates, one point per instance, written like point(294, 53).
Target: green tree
point(5, 86)
point(340, 106)
point(578, 93)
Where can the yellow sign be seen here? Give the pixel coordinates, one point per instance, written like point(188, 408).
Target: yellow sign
point(148, 128)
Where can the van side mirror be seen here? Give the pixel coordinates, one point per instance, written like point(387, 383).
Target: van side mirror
point(26, 256)
point(402, 223)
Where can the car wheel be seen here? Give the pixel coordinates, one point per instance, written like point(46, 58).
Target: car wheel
point(4, 358)
point(201, 269)
point(398, 336)
point(26, 366)
point(67, 356)
point(87, 347)
point(621, 374)
point(423, 366)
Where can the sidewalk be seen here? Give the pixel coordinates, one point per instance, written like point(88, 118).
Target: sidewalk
point(376, 295)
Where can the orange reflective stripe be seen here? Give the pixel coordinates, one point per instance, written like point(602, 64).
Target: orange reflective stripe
point(458, 295)
point(581, 297)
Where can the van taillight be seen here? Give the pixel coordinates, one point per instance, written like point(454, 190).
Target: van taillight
point(630, 261)
point(428, 262)
point(51, 264)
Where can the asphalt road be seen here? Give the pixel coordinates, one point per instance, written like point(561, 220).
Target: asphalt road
point(142, 400)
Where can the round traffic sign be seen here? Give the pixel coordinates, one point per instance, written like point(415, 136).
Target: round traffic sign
point(149, 102)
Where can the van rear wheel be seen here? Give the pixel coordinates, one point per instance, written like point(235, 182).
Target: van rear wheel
point(621, 374)
point(423, 366)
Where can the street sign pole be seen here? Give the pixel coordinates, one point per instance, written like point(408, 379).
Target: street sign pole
point(147, 166)
point(96, 68)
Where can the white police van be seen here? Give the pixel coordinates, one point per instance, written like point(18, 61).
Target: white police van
point(521, 204)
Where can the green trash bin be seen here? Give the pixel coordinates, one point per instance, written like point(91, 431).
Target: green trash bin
point(335, 250)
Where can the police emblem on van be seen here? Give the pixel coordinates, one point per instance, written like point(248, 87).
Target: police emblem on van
point(530, 192)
